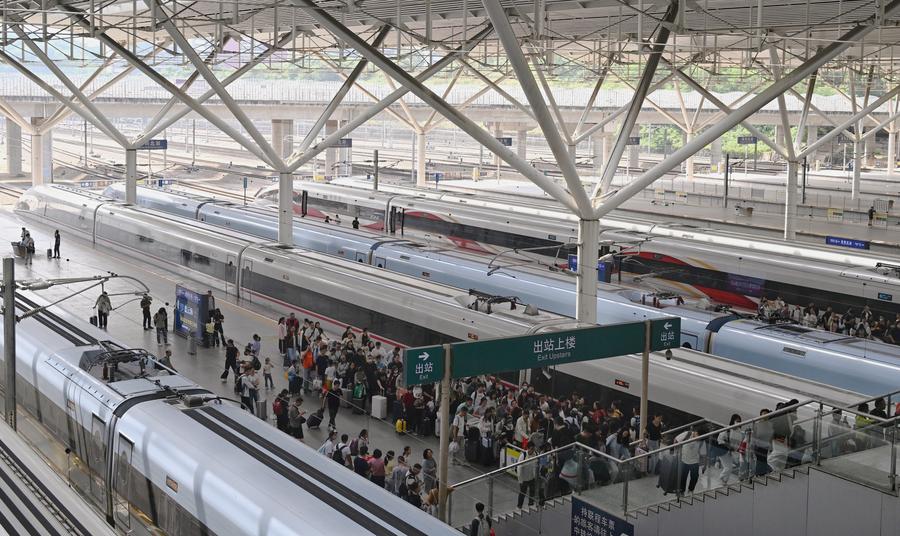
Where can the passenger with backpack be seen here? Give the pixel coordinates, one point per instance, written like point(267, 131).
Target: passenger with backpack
point(280, 410)
point(362, 440)
point(342, 452)
point(146, 301)
point(333, 403)
point(328, 447)
point(231, 357)
point(161, 321)
point(481, 525)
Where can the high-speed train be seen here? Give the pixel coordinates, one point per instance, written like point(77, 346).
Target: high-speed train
point(158, 454)
point(405, 311)
point(782, 347)
point(724, 267)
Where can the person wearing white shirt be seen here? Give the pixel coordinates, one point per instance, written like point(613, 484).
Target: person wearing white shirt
point(328, 446)
point(521, 430)
point(690, 459)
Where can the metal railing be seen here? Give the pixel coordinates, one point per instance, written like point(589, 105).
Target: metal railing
point(805, 434)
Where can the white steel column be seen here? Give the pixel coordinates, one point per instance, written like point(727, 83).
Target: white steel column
point(498, 133)
point(790, 202)
point(891, 150)
point(421, 173)
point(586, 280)
point(634, 152)
point(131, 176)
point(13, 147)
point(857, 164)
point(286, 209)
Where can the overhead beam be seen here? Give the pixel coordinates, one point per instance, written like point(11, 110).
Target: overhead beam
point(637, 102)
point(542, 114)
point(429, 97)
point(805, 69)
point(338, 97)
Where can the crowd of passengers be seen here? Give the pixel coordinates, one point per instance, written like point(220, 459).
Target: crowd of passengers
point(489, 415)
point(860, 323)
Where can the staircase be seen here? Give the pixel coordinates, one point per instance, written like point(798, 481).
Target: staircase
point(533, 520)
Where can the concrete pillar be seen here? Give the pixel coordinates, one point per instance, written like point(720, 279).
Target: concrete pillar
point(522, 144)
point(715, 155)
point(790, 202)
point(891, 151)
point(498, 133)
point(37, 159)
point(586, 280)
point(13, 148)
point(421, 172)
point(598, 152)
point(41, 154)
point(634, 150)
point(131, 176)
point(286, 209)
point(857, 165)
point(812, 136)
point(331, 127)
point(868, 150)
point(689, 163)
point(283, 137)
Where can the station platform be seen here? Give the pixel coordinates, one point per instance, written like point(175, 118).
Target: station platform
point(80, 258)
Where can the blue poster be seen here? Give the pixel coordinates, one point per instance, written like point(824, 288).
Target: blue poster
point(588, 520)
point(191, 312)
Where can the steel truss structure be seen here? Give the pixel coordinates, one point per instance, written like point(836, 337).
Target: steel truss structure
point(772, 47)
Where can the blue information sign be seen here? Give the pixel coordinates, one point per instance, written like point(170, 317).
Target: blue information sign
point(846, 242)
point(191, 312)
point(746, 140)
point(588, 520)
point(885, 296)
point(155, 145)
point(604, 269)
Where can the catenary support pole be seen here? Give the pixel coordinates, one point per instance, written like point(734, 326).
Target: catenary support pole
point(444, 450)
point(285, 209)
point(891, 151)
point(131, 176)
point(727, 176)
point(586, 276)
point(421, 171)
point(9, 339)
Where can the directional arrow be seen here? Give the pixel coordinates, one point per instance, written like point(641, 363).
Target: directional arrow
point(667, 325)
point(423, 356)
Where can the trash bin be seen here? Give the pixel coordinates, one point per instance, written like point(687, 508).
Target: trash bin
point(18, 249)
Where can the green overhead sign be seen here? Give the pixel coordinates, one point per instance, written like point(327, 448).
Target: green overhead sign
point(426, 364)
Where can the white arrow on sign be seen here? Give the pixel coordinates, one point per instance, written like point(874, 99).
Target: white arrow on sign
point(423, 356)
point(667, 325)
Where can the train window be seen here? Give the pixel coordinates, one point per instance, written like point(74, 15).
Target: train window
point(123, 481)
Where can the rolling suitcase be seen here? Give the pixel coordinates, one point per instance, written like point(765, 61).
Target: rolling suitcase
point(359, 405)
point(49, 253)
point(379, 407)
point(262, 409)
point(486, 451)
point(346, 396)
point(473, 444)
point(93, 320)
point(668, 475)
point(428, 426)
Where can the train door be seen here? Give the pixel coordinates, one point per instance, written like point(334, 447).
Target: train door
point(362, 257)
point(97, 458)
point(392, 221)
point(123, 484)
point(380, 262)
point(79, 473)
point(229, 277)
point(247, 278)
point(304, 203)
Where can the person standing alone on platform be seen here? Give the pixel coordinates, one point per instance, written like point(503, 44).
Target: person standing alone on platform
point(56, 244)
point(146, 302)
point(28, 244)
point(103, 307)
point(871, 213)
point(161, 321)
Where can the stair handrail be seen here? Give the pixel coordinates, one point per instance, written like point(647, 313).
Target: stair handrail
point(677, 429)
